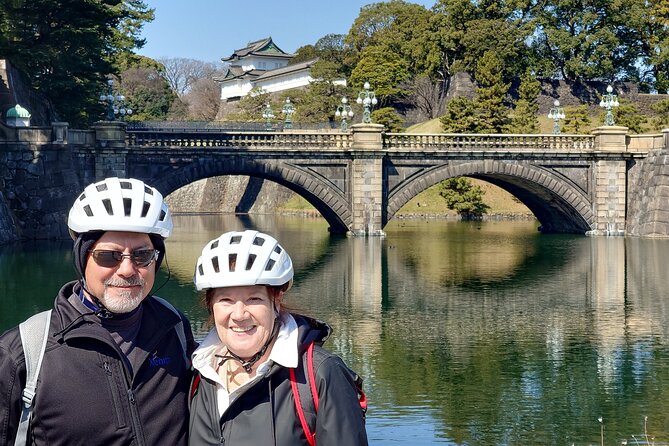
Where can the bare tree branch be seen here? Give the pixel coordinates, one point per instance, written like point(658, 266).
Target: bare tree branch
point(181, 73)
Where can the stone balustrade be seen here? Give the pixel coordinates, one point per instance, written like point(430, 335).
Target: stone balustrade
point(484, 142)
point(285, 140)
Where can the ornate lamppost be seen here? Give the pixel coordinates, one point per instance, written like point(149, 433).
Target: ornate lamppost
point(268, 115)
point(343, 112)
point(288, 110)
point(556, 113)
point(609, 100)
point(115, 104)
point(368, 99)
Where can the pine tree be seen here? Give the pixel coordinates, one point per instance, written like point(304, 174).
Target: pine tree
point(460, 117)
point(67, 49)
point(389, 117)
point(627, 115)
point(661, 121)
point(491, 113)
point(525, 115)
point(462, 196)
point(577, 120)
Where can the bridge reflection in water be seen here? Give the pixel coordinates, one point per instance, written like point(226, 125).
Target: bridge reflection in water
point(490, 333)
point(466, 333)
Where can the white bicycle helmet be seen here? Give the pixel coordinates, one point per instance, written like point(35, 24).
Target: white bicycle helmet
point(243, 258)
point(116, 204)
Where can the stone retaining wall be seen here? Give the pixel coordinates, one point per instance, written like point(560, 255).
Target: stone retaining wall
point(648, 194)
point(39, 182)
point(230, 194)
point(7, 224)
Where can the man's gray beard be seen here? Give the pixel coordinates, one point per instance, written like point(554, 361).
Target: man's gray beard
point(126, 300)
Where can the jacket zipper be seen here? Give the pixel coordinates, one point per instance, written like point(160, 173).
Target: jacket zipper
point(113, 389)
point(134, 413)
point(136, 422)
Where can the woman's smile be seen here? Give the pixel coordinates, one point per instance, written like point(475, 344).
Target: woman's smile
point(243, 329)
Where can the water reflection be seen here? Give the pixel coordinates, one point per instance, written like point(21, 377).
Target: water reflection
point(465, 252)
point(31, 274)
point(466, 333)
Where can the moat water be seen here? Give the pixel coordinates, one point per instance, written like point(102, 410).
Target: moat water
point(485, 333)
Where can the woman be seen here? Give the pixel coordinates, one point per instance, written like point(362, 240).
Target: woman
point(257, 357)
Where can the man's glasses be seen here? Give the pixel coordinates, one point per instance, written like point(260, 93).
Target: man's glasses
point(111, 259)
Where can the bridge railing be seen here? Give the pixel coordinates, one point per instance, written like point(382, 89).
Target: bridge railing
point(477, 142)
point(224, 126)
point(286, 140)
point(645, 143)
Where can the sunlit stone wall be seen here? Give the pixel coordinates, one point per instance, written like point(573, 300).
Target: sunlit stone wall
point(648, 194)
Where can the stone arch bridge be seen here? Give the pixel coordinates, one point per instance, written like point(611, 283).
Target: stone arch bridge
point(357, 180)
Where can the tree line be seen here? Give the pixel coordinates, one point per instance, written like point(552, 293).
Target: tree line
point(408, 53)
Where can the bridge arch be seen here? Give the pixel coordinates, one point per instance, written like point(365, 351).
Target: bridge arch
point(557, 204)
point(318, 191)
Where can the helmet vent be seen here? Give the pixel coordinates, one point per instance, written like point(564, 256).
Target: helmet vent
point(270, 265)
point(277, 249)
point(88, 211)
point(200, 269)
point(214, 263)
point(214, 245)
point(108, 207)
point(101, 187)
point(249, 263)
point(258, 241)
point(82, 197)
point(148, 190)
point(232, 262)
point(127, 205)
point(145, 209)
point(234, 240)
point(126, 185)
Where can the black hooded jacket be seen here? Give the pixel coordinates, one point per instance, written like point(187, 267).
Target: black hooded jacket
point(265, 414)
point(86, 394)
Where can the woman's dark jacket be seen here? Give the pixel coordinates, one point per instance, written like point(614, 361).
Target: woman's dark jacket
point(87, 395)
point(265, 413)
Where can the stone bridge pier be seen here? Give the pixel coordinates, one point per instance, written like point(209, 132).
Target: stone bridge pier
point(367, 202)
point(610, 182)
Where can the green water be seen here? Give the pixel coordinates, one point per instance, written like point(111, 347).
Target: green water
point(466, 333)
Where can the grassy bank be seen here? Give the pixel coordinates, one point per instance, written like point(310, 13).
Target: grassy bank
point(429, 204)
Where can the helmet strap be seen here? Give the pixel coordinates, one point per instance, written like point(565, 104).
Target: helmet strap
point(102, 312)
point(247, 364)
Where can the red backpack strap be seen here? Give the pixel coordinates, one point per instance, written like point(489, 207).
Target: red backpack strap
point(311, 436)
point(195, 383)
point(311, 376)
point(362, 398)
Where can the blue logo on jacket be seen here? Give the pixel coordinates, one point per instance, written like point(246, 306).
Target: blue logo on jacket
point(157, 361)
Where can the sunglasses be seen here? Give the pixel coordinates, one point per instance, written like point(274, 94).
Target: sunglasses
point(111, 259)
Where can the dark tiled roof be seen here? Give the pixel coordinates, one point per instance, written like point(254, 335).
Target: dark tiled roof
point(287, 69)
point(260, 47)
point(236, 72)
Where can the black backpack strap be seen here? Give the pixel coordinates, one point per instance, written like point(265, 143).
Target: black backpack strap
point(306, 399)
point(179, 328)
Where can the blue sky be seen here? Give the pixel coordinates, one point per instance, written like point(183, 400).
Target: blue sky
point(210, 29)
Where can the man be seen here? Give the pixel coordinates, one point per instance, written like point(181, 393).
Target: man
point(115, 369)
